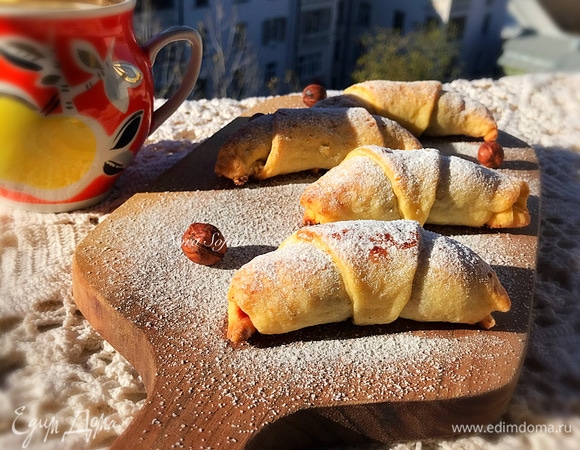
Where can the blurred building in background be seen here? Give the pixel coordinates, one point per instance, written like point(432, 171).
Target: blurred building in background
point(263, 47)
point(295, 42)
point(541, 36)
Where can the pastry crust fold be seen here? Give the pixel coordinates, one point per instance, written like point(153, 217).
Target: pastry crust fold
point(293, 140)
point(423, 107)
point(383, 184)
point(409, 103)
point(370, 271)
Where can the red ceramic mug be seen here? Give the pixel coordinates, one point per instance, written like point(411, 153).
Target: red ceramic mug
point(76, 98)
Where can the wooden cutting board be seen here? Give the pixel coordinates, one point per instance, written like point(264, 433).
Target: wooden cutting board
point(323, 386)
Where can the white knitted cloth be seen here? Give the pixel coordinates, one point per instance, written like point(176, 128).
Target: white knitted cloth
point(56, 371)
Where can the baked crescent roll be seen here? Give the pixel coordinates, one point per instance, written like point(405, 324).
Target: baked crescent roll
point(370, 271)
point(384, 184)
point(423, 107)
point(293, 140)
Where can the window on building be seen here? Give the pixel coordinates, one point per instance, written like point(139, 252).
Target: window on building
point(237, 85)
point(456, 29)
point(240, 35)
point(341, 16)
point(480, 63)
point(273, 30)
point(270, 71)
point(337, 51)
point(201, 29)
point(460, 5)
point(162, 4)
point(154, 5)
point(485, 24)
point(309, 65)
point(316, 21)
point(364, 14)
point(399, 20)
point(201, 88)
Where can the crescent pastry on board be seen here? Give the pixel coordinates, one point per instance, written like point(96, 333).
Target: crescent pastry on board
point(370, 271)
point(423, 107)
point(383, 184)
point(293, 140)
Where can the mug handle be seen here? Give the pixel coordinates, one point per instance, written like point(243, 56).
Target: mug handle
point(152, 48)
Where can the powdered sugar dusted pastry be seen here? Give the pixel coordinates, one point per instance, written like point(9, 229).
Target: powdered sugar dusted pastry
point(293, 140)
point(370, 271)
point(423, 107)
point(383, 184)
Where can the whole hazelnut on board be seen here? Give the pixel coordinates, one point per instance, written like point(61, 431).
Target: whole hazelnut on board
point(490, 154)
point(313, 93)
point(204, 244)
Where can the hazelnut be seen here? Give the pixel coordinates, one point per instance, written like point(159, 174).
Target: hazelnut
point(490, 154)
point(313, 93)
point(204, 244)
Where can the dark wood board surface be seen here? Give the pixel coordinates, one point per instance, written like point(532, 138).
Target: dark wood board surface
point(323, 386)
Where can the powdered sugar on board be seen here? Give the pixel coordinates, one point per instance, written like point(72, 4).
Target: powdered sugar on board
point(137, 265)
point(143, 266)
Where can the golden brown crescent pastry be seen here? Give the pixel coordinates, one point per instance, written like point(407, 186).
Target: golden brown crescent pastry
point(370, 271)
point(293, 140)
point(383, 184)
point(423, 107)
